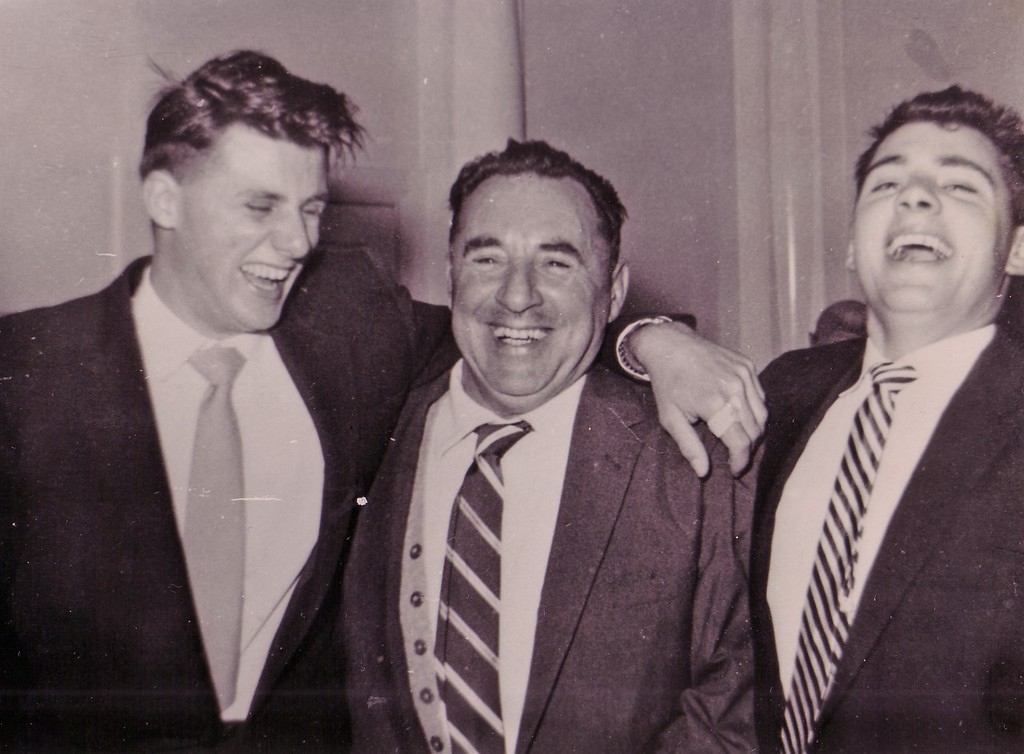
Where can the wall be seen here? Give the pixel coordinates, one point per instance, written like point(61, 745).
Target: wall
point(76, 83)
point(729, 126)
point(811, 78)
point(642, 92)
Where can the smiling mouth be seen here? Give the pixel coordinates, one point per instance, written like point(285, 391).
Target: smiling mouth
point(519, 336)
point(265, 277)
point(918, 247)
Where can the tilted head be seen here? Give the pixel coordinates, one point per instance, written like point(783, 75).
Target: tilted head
point(535, 275)
point(234, 172)
point(936, 224)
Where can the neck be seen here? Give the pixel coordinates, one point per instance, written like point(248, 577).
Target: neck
point(895, 339)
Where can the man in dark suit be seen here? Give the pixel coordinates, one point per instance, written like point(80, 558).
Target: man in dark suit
point(115, 628)
point(571, 585)
point(889, 536)
point(104, 637)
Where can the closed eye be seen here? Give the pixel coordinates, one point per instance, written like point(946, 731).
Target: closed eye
point(883, 186)
point(314, 209)
point(963, 188)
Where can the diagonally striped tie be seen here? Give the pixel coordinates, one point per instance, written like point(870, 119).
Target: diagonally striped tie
point(825, 626)
point(467, 625)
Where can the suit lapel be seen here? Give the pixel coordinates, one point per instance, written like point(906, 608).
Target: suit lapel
point(796, 409)
point(297, 345)
point(117, 396)
point(978, 422)
point(601, 457)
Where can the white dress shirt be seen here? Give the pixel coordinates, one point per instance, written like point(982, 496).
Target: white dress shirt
point(940, 368)
point(533, 471)
point(282, 463)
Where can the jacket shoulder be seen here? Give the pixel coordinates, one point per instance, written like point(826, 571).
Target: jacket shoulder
point(794, 373)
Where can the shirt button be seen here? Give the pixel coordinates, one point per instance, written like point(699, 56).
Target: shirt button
point(427, 696)
point(414, 551)
point(416, 599)
point(436, 743)
point(420, 646)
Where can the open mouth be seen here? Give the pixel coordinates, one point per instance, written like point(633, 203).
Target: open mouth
point(265, 277)
point(918, 247)
point(519, 336)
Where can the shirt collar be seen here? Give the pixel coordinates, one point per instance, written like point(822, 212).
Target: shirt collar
point(461, 415)
point(948, 359)
point(167, 342)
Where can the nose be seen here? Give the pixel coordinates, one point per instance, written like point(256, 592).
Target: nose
point(518, 292)
point(918, 195)
point(294, 237)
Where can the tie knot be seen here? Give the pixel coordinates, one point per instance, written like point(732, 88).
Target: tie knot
point(494, 440)
point(891, 375)
point(218, 364)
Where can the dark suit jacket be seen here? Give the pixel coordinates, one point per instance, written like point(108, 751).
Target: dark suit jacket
point(98, 638)
point(935, 659)
point(642, 633)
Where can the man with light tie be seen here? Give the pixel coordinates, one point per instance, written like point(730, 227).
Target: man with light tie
point(889, 535)
point(536, 567)
point(178, 466)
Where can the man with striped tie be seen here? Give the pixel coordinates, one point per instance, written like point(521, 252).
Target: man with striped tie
point(889, 535)
point(536, 568)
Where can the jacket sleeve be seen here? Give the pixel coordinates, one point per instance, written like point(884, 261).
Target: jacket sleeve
point(717, 713)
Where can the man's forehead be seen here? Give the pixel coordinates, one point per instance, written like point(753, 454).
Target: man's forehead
point(527, 200)
point(951, 144)
point(247, 152)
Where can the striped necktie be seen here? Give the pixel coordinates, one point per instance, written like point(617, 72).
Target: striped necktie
point(215, 519)
point(466, 649)
point(825, 625)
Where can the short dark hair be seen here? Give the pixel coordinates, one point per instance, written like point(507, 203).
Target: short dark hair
point(955, 106)
point(540, 158)
point(254, 90)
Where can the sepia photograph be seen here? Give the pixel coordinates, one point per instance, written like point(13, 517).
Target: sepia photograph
point(512, 376)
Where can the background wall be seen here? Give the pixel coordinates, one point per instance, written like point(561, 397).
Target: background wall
point(729, 126)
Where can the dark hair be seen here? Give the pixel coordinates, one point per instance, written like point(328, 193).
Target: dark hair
point(254, 90)
point(955, 106)
point(540, 158)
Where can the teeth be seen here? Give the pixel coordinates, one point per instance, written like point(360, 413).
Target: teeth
point(519, 336)
point(908, 243)
point(265, 271)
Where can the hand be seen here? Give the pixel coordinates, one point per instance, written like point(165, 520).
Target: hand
point(696, 379)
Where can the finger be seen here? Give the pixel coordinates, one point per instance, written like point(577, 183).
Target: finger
point(753, 393)
point(756, 398)
point(740, 446)
point(723, 418)
point(752, 415)
point(689, 442)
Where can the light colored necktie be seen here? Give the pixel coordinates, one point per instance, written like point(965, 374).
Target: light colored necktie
point(215, 519)
point(825, 626)
point(470, 606)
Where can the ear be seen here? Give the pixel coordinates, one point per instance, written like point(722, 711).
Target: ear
point(1015, 259)
point(851, 261)
point(620, 287)
point(449, 271)
point(161, 193)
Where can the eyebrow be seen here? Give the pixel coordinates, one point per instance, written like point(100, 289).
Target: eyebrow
point(946, 161)
point(479, 242)
point(563, 247)
point(486, 242)
point(273, 196)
